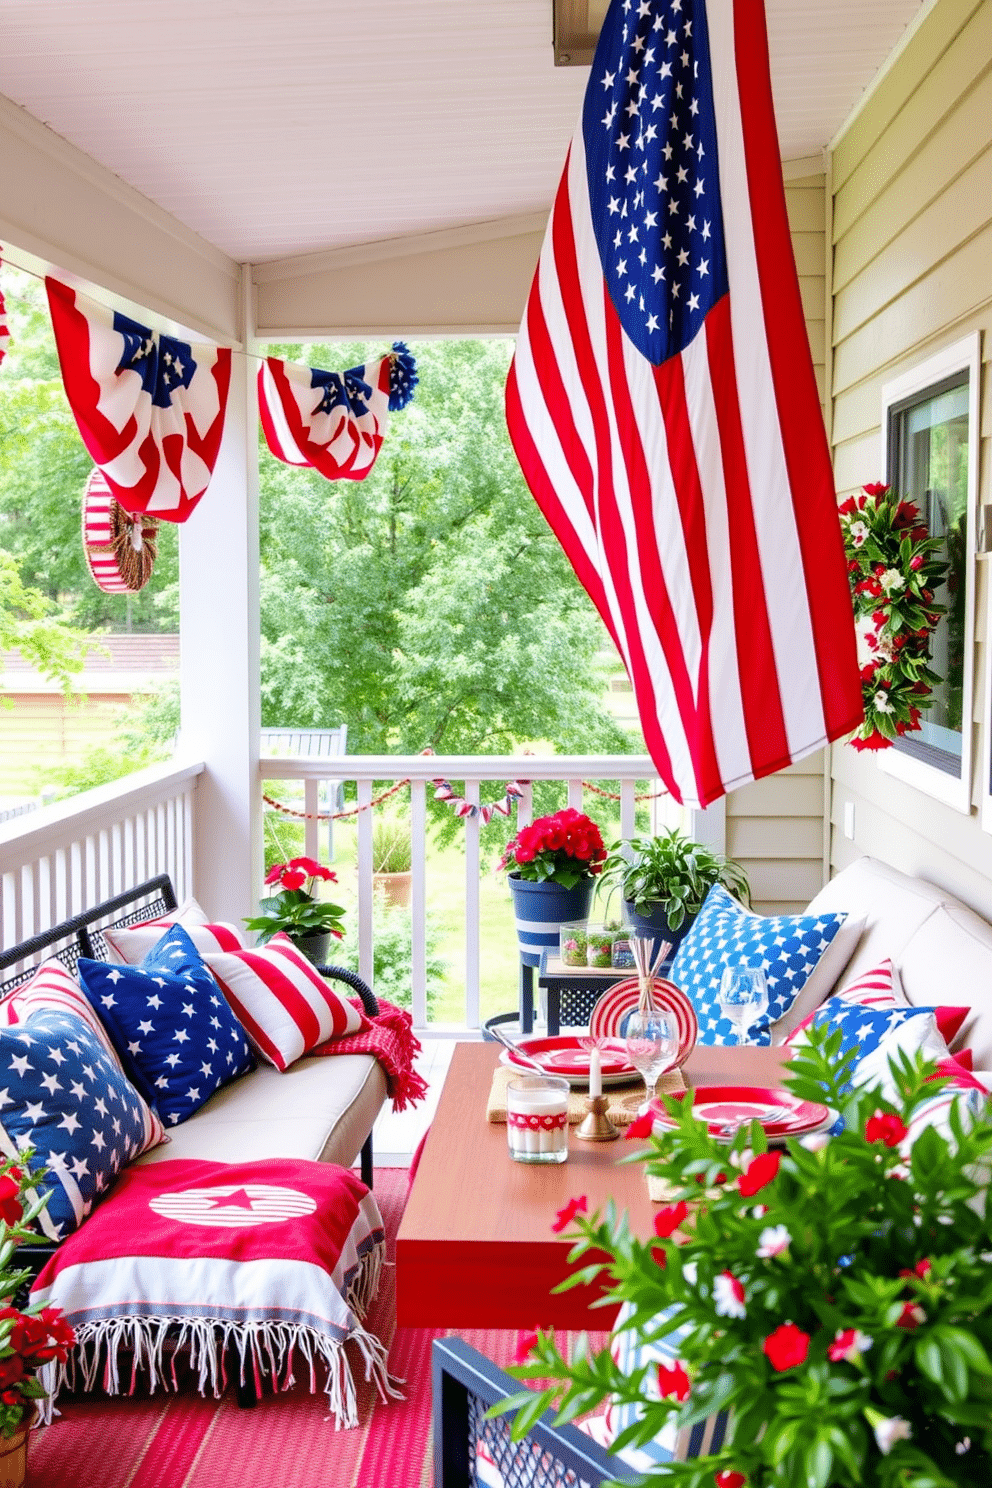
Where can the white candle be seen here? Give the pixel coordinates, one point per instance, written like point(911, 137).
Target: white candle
point(595, 1073)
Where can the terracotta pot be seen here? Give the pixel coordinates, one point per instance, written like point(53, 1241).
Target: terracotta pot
point(14, 1458)
point(395, 886)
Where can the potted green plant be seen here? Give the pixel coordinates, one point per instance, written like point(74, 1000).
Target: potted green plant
point(310, 923)
point(553, 864)
point(663, 881)
point(392, 856)
point(832, 1296)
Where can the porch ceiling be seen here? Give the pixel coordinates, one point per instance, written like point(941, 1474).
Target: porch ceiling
point(274, 130)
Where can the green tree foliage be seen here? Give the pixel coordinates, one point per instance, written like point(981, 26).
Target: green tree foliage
point(43, 469)
point(26, 625)
point(429, 604)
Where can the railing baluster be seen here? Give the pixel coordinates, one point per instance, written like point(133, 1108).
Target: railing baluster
point(311, 826)
point(628, 807)
point(418, 901)
point(575, 794)
point(472, 1016)
point(365, 957)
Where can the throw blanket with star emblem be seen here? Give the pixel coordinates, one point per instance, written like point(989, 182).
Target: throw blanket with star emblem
point(274, 1262)
point(333, 422)
point(149, 407)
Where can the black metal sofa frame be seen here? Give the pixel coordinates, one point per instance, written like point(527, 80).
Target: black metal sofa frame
point(83, 935)
point(465, 1384)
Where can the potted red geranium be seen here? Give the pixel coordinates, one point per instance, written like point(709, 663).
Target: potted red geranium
point(31, 1336)
point(309, 922)
point(552, 866)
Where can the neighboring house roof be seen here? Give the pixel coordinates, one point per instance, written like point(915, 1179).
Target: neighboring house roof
point(115, 664)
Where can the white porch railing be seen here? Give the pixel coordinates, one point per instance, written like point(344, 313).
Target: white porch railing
point(62, 859)
point(421, 770)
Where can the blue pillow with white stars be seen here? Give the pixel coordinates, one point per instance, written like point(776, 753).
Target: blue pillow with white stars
point(65, 1095)
point(724, 934)
point(172, 1026)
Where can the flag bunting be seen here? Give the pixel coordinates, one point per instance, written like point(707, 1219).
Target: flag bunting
point(333, 422)
point(149, 407)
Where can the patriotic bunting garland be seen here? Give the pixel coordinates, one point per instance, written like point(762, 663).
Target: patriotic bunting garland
point(149, 407)
point(461, 807)
point(333, 422)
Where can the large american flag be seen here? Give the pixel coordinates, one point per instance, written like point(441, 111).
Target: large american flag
point(663, 406)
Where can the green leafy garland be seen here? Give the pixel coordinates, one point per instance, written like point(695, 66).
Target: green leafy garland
point(894, 572)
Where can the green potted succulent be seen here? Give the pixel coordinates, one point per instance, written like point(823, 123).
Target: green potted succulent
point(663, 881)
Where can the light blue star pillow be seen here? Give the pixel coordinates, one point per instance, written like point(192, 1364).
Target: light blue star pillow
point(63, 1093)
point(171, 1024)
point(790, 948)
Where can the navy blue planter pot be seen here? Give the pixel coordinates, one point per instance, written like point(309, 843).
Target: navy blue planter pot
point(656, 924)
point(540, 908)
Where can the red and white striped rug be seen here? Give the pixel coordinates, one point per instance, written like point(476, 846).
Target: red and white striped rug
point(182, 1441)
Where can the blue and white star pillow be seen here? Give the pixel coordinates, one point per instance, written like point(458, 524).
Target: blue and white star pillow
point(65, 1095)
point(171, 1024)
point(789, 948)
point(879, 1035)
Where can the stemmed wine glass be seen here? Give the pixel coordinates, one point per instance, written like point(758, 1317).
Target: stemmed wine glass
point(651, 1043)
point(743, 998)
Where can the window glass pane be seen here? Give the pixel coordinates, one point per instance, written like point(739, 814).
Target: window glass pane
point(928, 450)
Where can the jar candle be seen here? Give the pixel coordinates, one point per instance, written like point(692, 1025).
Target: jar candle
point(537, 1119)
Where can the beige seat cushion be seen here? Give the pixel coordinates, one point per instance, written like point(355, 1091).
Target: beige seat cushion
point(948, 962)
point(895, 904)
point(321, 1109)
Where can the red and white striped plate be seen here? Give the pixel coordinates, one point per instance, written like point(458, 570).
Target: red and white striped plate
point(612, 1008)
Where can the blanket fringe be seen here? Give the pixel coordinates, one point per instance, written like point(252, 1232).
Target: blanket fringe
point(264, 1350)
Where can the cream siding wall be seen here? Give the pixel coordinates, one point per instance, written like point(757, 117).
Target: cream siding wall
point(912, 273)
point(775, 826)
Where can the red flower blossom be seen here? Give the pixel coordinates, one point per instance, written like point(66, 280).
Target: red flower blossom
point(911, 1317)
point(11, 1208)
point(565, 1216)
point(293, 878)
point(875, 488)
point(524, 1348)
point(667, 1220)
point(759, 1173)
point(886, 1128)
point(729, 1479)
point(916, 561)
point(787, 1347)
point(641, 1127)
point(875, 740)
point(674, 1381)
point(848, 507)
point(11, 1370)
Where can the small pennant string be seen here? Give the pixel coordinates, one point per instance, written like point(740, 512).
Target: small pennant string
point(461, 807)
point(4, 328)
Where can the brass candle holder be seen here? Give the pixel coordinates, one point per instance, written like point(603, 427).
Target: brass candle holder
point(596, 1126)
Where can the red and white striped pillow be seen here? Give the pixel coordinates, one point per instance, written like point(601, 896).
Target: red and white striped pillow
point(131, 943)
point(284, 1004)
point(878, 988)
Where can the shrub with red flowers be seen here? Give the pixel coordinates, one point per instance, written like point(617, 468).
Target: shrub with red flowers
point(894, 573)
point(838, 1288)
point(34, 1335)
point(296, 909)
point(564, 848)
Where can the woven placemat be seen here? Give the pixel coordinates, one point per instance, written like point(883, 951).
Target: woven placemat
point(622, 1100)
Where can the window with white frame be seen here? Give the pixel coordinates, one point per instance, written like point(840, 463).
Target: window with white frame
point(930, 427)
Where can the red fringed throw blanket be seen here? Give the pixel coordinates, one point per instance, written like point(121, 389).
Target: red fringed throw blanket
point(266, 1262)
point(389, 1036)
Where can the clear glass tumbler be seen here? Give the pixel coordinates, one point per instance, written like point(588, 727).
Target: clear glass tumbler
point(537, 1119)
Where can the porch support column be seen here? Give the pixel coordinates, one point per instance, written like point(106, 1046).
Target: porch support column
point(219, 630)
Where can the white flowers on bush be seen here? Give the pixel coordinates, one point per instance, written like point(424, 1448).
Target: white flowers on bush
point(774, 1240)
point(889, 1430)
point(728, 1296)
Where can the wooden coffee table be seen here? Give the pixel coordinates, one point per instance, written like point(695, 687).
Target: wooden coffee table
point(475, 1247)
